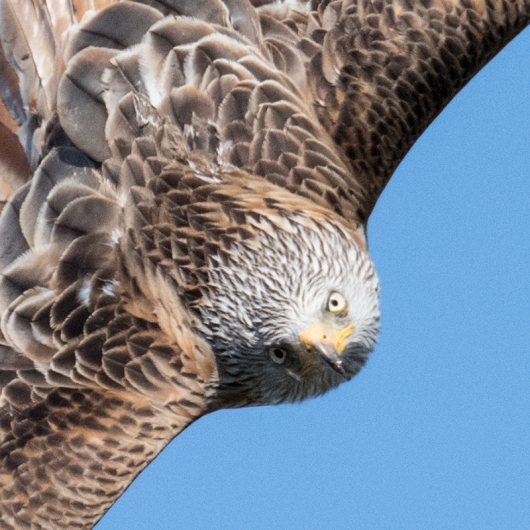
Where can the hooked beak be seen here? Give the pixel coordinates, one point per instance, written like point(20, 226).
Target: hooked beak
point(329, 344)
point(330, 356)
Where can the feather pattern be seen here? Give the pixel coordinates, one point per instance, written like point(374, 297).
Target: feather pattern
point(184, 184)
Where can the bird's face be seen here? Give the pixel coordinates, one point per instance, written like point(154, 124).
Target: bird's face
point(291, 314)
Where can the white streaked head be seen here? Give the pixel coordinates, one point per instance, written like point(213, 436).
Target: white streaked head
point(291, 314)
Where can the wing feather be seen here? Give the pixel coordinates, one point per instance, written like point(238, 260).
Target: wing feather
point(386, 69)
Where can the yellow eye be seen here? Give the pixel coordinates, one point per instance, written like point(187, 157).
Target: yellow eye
point(336, 303)
point(277, 354)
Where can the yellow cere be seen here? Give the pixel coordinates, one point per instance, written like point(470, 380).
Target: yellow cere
point(320, 333)
point(340, 337)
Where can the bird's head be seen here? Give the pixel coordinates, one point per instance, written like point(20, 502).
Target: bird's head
point(290, 313)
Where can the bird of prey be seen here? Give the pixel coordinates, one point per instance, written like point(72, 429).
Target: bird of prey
point(186, 192)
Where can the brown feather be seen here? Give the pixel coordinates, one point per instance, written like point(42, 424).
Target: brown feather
point(161, 136)
point(378, 85)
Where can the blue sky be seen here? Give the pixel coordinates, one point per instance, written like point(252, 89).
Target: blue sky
point(434, 433)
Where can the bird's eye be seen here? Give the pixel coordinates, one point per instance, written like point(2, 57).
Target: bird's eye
point(277, 354)
point(336, 303)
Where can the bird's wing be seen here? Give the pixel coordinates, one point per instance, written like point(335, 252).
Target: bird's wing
point(380, 71)
point(321, 98)
point(230, 77)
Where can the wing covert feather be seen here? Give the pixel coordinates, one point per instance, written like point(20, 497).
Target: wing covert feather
point(387, 68)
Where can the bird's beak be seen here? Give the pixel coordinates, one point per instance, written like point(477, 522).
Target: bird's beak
point(329, 343)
